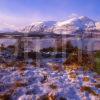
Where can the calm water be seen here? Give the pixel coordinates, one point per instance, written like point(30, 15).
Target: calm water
point(36, 43)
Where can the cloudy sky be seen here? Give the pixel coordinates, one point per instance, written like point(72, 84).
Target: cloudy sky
point(20, 12)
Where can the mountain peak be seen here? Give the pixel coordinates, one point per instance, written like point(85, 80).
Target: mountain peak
point(83, 17)
point(61, 27)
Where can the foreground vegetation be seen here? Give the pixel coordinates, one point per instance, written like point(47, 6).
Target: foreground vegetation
point(97, 61)
point(22, 80)
point(88, 61)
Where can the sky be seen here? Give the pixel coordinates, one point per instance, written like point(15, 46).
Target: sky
point(21, 12)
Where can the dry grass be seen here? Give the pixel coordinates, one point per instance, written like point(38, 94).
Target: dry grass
point(21, 66)
point(47, 97)
point(19, 84)
point(73, 62)
point(34, 63)
point(55, 67)
point(8, 64)
point(72, 75)
point(5, 96)
point(89, 90)
point(53, 86)
point(71, 67)
point(97, 85)
point(86, 79)
point(50, 97)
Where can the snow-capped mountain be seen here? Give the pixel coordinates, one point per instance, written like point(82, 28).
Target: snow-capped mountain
point(62, 27)
point(42, 26)
point(74, 24)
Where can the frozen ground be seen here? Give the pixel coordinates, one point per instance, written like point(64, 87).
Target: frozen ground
point(34, 83)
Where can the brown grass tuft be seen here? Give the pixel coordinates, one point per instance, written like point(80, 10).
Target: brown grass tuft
point(89, 90)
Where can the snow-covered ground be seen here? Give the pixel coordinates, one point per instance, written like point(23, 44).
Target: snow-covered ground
point(38, 82)
point(34, 83)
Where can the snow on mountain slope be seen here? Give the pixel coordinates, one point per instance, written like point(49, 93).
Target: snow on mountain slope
point(74, 24)
point(43, 26)
point(63, 27)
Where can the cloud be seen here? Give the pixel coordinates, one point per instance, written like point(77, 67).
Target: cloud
point(13, 22)
point(16, 22)
point(73, 15)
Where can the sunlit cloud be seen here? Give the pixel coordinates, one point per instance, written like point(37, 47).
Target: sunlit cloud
point(16, 22)
point(73, 15)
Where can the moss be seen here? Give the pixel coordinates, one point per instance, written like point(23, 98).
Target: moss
point(97, 62)
point(97, 54)
point(97, 68)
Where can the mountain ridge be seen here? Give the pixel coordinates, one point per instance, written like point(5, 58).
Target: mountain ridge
point(70, 26)
point(61, 27)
